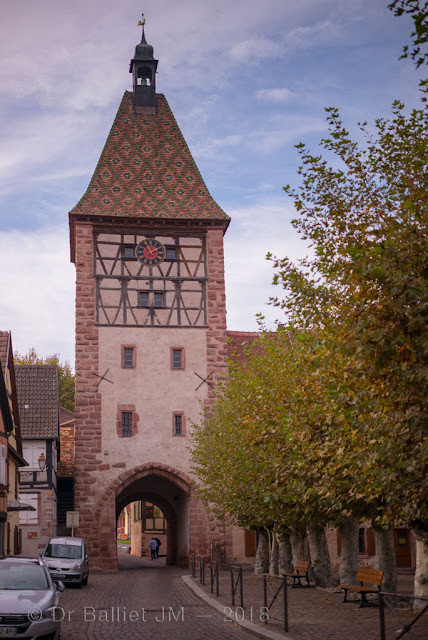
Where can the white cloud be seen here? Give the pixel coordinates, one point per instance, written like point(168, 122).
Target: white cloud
point(38, 291)
point(275, 95)
point(256, 49)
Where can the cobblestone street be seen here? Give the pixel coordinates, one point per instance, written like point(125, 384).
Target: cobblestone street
point(146, 600)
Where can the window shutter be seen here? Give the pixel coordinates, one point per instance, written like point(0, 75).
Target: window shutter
point(371, 545)
point(250, 543)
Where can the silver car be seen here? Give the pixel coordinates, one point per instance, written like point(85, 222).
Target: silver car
point(67, 559)
point(28, 599)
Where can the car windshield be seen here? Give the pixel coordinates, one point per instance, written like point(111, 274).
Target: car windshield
point(72, 551)
point(23, 577)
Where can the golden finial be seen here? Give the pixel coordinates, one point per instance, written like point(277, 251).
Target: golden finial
point(142, 22)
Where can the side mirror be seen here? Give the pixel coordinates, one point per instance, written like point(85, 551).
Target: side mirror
point(60, 586)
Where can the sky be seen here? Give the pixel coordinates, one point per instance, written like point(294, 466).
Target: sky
point(246, 81)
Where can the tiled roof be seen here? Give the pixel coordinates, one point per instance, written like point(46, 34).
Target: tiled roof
point(147, 171)
point(37, 386)
point(4, 343)
point(65, 415)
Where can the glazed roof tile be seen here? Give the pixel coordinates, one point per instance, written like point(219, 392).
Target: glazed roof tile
point(147, 171)
point(37, 387)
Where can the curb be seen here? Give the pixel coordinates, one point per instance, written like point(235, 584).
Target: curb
point(244, 624)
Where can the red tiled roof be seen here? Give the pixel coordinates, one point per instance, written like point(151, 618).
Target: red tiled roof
point(147, 171)
point(37, 388)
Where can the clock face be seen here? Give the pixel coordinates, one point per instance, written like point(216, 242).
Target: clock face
point(150, 252)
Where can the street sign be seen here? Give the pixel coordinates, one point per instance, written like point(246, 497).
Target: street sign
point(72, 519)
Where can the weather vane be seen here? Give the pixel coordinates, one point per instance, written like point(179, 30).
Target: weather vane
point(142, 22)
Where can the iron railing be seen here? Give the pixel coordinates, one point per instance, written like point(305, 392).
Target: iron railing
point(236, 582)
point(274, 594)
point(406, 627)
point(214, 578)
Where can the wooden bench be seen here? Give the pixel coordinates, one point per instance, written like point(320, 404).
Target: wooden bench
point(365, 577)
point(301, 570)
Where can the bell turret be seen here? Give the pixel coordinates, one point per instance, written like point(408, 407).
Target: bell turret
point(143, 68)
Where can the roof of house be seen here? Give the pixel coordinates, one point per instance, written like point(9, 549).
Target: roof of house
point(65, 416)
point(37, 386)
point(147, 171)
point(4, 349)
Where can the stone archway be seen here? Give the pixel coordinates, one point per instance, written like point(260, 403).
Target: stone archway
point(171, 490)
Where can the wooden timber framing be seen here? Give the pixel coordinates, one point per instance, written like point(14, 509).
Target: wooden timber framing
point(122, 281)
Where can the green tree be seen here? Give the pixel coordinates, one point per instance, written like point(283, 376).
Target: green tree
point(418, 10)
point(363, 207)
point(65, 374)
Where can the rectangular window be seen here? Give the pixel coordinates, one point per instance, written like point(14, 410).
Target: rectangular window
point(178, 425)
point(128, 252)
point(171, 252)
point(177, 359)
point(128, 357)
point(151, 299)
point(126, 423)
point(158, 299)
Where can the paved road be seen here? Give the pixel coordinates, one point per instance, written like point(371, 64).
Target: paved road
point(145, 599)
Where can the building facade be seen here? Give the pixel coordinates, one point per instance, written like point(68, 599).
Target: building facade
point(11, 454)
point(38, 409)
point(147, 243)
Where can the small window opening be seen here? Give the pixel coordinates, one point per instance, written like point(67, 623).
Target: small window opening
point(171, 252)
point(177, 358)
point(128, 357)
point(178, 425)
point(126, 423)
point(128, 252)
point(151, 299)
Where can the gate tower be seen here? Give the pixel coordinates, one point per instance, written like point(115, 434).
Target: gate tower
point(147, 242)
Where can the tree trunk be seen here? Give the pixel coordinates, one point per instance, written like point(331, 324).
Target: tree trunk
point(285, 554)
point(262, 554)
point(421, 573)
point(321, 567)
point(385, 559)
point(274, 554)
point(348, 529)
point(299, 546)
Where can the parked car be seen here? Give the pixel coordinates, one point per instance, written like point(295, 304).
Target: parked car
point(67, 560)
point(28, 599)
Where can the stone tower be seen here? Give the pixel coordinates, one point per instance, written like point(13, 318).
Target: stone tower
point(147, 242)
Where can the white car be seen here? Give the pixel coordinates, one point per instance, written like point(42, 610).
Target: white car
point(29, 599)
point(67, 560)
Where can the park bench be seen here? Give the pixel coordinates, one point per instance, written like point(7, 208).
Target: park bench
point(365, 577)
point(301, 570)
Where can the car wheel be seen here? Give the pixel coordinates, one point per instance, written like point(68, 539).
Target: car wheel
point(85, 580)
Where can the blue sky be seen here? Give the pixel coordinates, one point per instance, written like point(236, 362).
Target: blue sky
point(246, 81)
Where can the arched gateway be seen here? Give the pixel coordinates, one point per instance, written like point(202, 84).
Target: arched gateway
point(147, 242)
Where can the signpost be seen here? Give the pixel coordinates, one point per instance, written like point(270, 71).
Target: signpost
point(72, 521)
